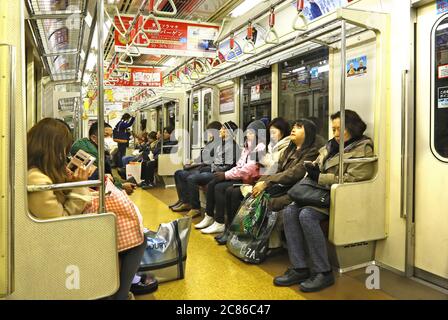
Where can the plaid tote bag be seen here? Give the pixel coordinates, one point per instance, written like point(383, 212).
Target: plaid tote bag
point(129, 220)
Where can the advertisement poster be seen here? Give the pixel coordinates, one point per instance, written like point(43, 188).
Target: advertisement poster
point(315, 8)
point(442, 6)
point(357, 67)
point(226, 100)
point(255, 93)
point(137, 77)
point(442, 97)
point(442, 71)
point(176, 38)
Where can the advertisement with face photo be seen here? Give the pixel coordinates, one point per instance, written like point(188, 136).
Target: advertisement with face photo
point(315, 8)
point(357, 67)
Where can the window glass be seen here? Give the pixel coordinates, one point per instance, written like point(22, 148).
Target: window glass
point(257, 89)
point(304, 89)
point(207, 112)
point(439, 117)
point(195, 125)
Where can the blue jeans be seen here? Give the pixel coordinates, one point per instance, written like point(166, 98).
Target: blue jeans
point(194, 180)
point(302, 229)
point(125, 160)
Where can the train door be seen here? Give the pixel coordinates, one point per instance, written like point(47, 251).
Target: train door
point(431, 146)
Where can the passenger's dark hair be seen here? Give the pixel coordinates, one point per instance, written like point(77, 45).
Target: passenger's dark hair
point(310, 132)
point(152, 135)
point(281, 124)
point(126, 117)
point(215, 125)
point(93, 130)
point(169, 129)
point(353, 123)
point(48, 144)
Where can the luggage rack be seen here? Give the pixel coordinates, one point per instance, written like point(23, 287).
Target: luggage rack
point(326, 31)
point(58, 29)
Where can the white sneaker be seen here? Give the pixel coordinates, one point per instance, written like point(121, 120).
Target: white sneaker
point(215, 228)
point(206, 222)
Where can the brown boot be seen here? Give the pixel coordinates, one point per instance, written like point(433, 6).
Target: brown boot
point(182, 207)
point(193, 213)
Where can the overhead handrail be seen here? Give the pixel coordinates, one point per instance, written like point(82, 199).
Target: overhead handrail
point(249, 46)
point(165, 13)
point(232, 50)
point(300, 18)
point(63, 186)
point(272, 35)
point(156, 21)
point(194, 74)
point(138, 33)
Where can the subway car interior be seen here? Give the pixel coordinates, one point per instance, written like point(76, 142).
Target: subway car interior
point(223, 149)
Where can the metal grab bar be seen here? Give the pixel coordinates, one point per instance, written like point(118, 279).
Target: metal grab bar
point(164, 13)
point(9, 227)
point(63, 186)
point(361, 160)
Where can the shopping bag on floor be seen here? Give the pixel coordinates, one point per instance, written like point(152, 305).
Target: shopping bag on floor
point(166, 254)
point(134, 169)
point(251, 228)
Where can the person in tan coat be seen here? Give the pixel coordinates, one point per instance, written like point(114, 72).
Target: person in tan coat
point(302, 223)
point(49, 143)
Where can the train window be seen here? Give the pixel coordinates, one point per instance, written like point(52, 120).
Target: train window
point(257, 88)
point(195, 125)
point(207, 111)
point(304, 89)
point(439, 114)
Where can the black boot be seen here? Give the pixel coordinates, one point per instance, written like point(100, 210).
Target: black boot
point(317, 282)
point(179, 202)
point(292, 276)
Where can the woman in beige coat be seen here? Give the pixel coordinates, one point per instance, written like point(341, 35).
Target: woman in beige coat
point(302, 224)
point(49, 142)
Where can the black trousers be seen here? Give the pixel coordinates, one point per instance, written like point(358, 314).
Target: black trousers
point(234, 197)
point(148, 171)
point(216, 198)
point(121, 153)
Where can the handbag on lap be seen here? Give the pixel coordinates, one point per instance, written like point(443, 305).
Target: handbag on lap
point(308, 192)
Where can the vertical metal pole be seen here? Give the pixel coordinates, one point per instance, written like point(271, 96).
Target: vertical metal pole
point(163, 125)
point(342, 106)
point(100, 73)
point(190, 123)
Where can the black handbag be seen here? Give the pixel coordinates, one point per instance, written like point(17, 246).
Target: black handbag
point(308, 192)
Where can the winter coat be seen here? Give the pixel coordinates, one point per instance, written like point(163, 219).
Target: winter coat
point(246, 169)
point(119, 133)
point(272, 157)
point(227, 153)
point(51, 204)
point(290, 171)
point(353, 172)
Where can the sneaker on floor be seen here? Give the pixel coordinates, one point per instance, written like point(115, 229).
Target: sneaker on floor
point(193, 213)
point(146, 186)
point(206, 222)
point(214, 228)
point(317, 282)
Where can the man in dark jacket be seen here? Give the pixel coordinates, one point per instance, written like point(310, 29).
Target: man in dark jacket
point(226, 153)
point(121, 136)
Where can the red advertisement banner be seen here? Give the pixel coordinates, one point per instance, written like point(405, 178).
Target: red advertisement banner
point(176, 37)
point(136, 77)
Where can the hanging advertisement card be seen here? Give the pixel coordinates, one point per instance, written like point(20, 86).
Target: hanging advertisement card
point(442, 6)
point(138, 77)
point(176, 38)
point(442, 71)
point(255, 93)
point(226, 100)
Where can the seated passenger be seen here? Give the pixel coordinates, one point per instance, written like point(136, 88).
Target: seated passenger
point(150, 165)
point(48, 144)
point(197, 173)
point(141, 145)
point(90, 145)
point(289, 170)
point(246, 171)
point(302, 224)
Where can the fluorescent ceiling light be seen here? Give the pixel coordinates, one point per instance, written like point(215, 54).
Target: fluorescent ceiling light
point(244, 7)
point(324, 68)
point(298, 69)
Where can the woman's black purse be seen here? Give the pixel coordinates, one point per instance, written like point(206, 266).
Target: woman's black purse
point(308, 192)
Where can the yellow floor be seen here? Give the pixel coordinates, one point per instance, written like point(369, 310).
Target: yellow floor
point(213, 273)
